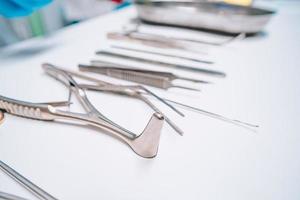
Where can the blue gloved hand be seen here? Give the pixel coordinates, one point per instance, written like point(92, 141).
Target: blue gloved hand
point(18, 8)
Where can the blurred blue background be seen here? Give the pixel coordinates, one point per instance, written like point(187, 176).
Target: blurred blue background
point(52, 17)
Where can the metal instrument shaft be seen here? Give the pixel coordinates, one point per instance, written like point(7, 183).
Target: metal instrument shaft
point(162, 54)
point(102, 66)
point(162, 63)
point(155, 42)
point(135, 76)
point(27, 184)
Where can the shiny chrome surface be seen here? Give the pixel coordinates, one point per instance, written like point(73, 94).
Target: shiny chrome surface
point(134, 29)
point(145, 144)
point(135, 91)
point(205, 15)
point(25, 109)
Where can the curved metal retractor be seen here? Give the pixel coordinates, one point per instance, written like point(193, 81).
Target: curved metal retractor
point(146, 144)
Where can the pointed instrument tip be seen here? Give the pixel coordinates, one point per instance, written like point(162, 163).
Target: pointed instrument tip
point(204, 82)
point(186, 88)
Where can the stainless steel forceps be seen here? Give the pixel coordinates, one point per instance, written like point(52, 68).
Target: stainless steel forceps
point(158, 79)
point(145, 144)
point(103, 67)
point(160, 63)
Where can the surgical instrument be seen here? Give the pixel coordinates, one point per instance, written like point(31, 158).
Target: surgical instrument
point(124, 89)
point(102, 67)
point(204, 112)
point(151, 78)
point(145, 144)
point(27, 184)
point(213, 115)
point(135, 25)
point(160, 63)
point(135, 29)
point(162, 54)
point(134, 91)
point(198, 110)
point(161, 42)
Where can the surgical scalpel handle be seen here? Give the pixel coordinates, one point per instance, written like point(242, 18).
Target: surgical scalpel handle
point(31, 187)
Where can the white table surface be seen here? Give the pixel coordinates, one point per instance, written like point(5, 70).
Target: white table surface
point(213, 160)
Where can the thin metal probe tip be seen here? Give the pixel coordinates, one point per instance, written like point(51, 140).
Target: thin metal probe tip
point(246, 123)
point(197, 81)
point(192, 80)
point(214, 115)
point(220, 74)
point(186, 88)
point(203, 82)
point(234, 121)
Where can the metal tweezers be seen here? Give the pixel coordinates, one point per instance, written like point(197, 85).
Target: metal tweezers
point(146, 144)
point(160, 63)
point(27, 184)
point(158, 79)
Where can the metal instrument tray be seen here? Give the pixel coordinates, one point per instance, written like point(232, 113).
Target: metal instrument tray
point(214, 16)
